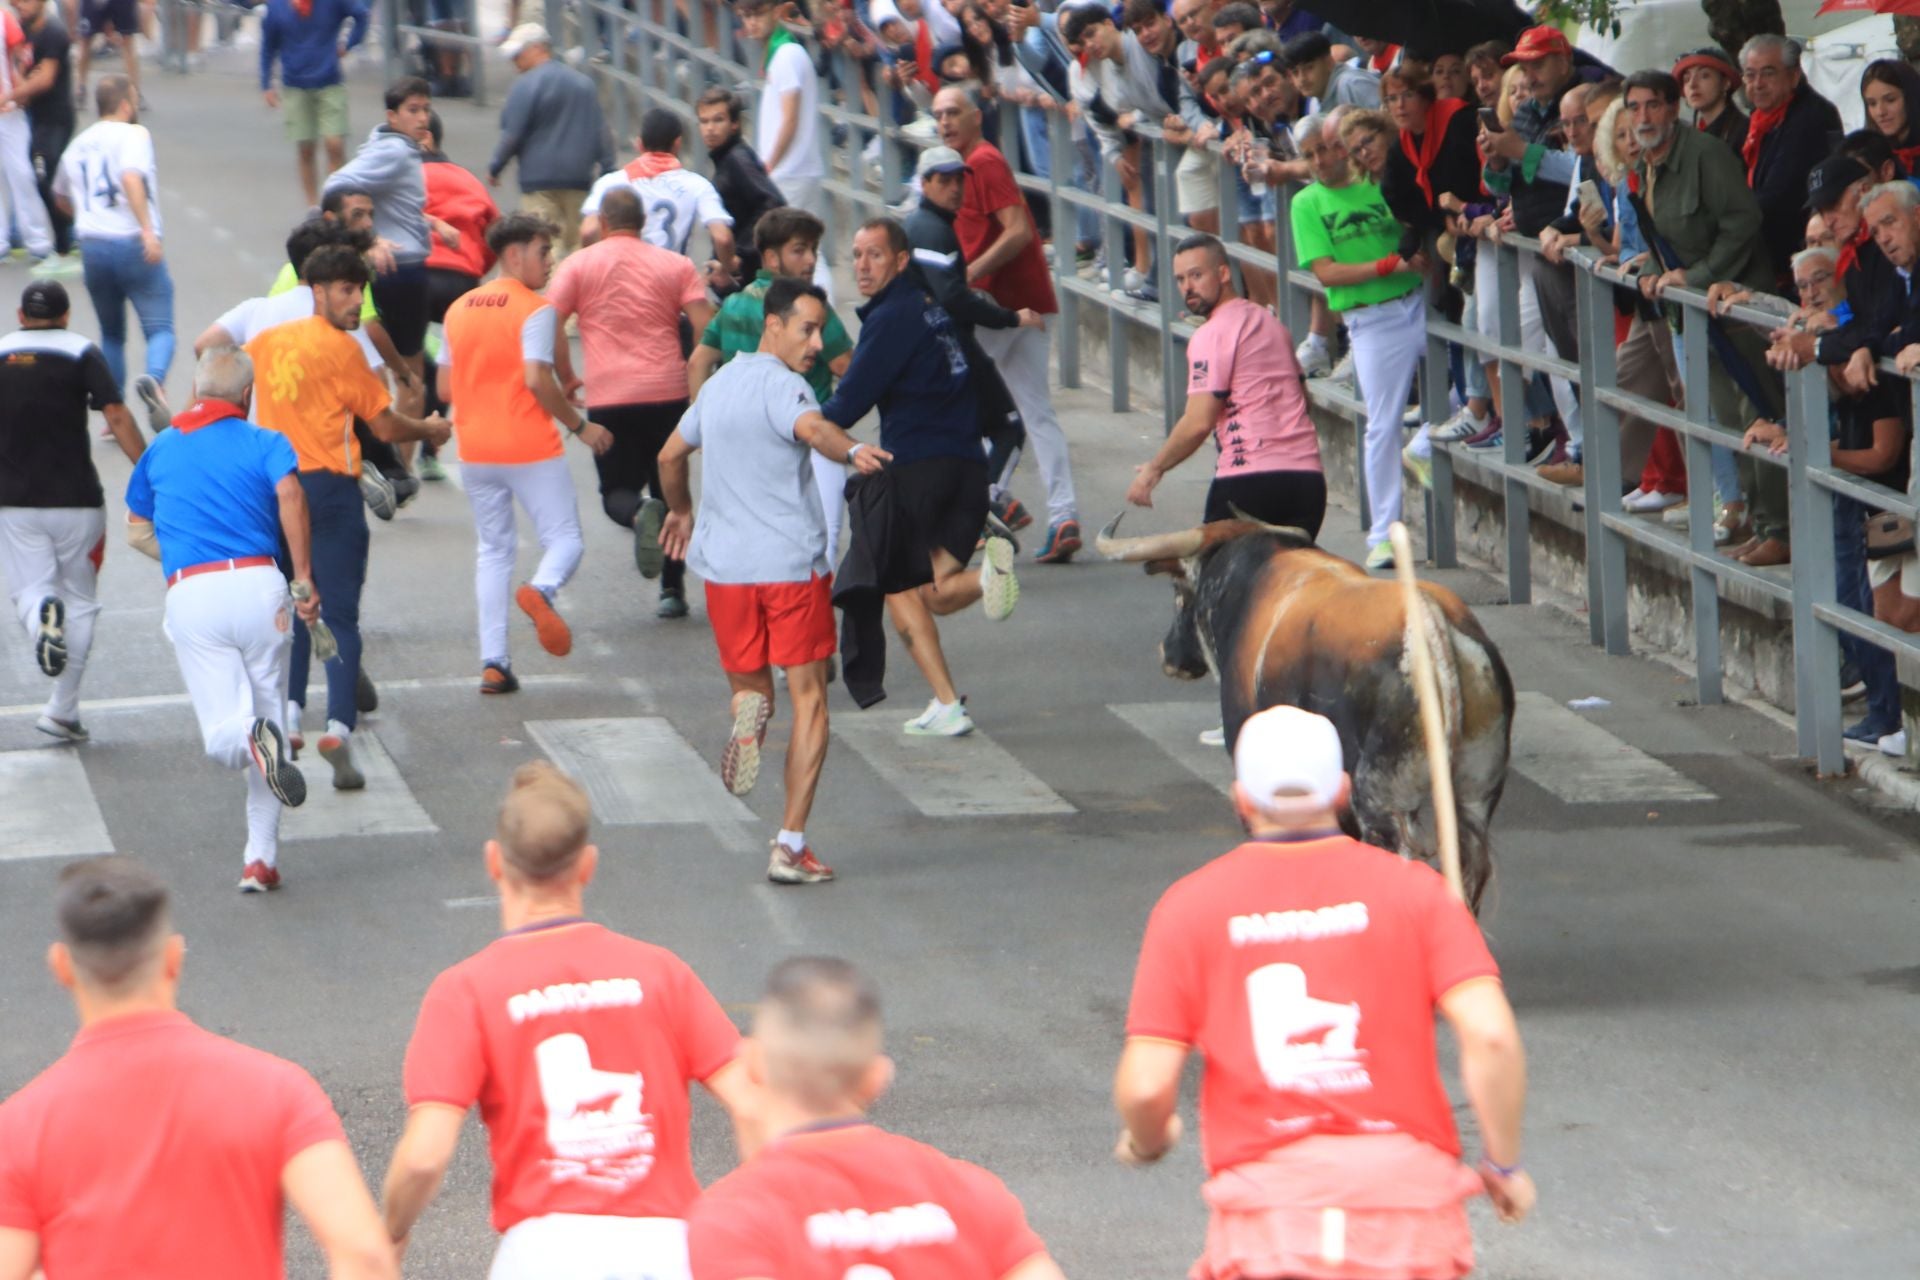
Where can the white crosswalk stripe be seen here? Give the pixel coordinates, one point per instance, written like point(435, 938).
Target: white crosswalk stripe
point(385, 808)
point(970, 777)
point(638, 770)
point(1582, 763)
point(1175, 728)
point(47, 810)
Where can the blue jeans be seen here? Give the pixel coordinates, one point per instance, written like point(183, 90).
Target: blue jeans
point(117, 273)
point(337, 516)
point(1853, 590)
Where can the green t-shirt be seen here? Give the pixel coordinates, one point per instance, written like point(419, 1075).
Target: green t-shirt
point(735, 330)
point(1349, 224)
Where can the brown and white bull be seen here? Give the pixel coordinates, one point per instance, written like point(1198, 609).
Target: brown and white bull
point(1282, 623)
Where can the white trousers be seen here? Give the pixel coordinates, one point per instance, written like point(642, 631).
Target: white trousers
point(545, 491)
point(232, 633)
point(579, 1246)
point(19, 193)
point(1023, 358)
point(55, 551)
point(1388, 340)
point(1533, 337)
point(830, 478)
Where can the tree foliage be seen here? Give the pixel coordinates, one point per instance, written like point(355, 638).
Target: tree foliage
point(1730, 22)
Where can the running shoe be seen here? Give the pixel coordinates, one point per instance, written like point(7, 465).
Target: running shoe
point(1461, 426)
point(1644, 503)
point(1421, 467)
point(941, 722)
point(1380, 556)
point(268, 749)
point(57, 266)
point(430, 469)
point(159, 414)
point(495, 678)
point(1546, 444)
point(1493, 442)
point(377, 491)
point(259, 878)
point(1012, 513)
point(1869, 730)
point(554, 634)
point(336, 748)
point(1063, 540)
point(1315, 360)
point(999, 589)
point(786, 867)
point(1214, 737)
point(740, 762)
point(50, 645)
point(290, 725)
point(1342, 371)
point(649, 557)
point(1894, 744)
point(673, 604)
point(65, 730)
point(405, 487)
point(366, 698)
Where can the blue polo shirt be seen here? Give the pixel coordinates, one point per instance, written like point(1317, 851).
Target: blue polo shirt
point(208, 486)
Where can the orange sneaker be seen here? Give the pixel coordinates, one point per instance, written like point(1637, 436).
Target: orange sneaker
point(787, 867)
point(555, 636)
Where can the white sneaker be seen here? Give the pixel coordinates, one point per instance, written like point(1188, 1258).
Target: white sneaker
point(1315, 360)
point(1894, 744)
point(1214, 737)
point(1677, 516)
point(999, 590)
point(1132, 281)
point(1412, 418)
point(291, 723)
point(1342, 372)
point(1461, 426)
point(336, 748)
point(941, 722)
point(1642, 503)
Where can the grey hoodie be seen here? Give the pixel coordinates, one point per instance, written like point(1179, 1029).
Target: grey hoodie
point(387, 167)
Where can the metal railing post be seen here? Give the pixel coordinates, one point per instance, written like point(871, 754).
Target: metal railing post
point(390, 41)
point(1434, 400)
point(1606, 550)
point(1060, 154)
point(1118, 234)
point(476, 56)
point(1700, 519)
point(1513, 402)
point(1173, 369)
point(1816, 645)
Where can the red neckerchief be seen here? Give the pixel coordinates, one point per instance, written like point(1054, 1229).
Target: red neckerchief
point(1383, 60)
point(1850, 251)
point(1908, 157)
point(1202, 55)
point(923, 55)
point(1759, 125)
point(203, 412)
point(1426, 149)
point(651, 164)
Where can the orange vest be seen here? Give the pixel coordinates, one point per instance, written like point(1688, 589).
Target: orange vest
point(496, 419)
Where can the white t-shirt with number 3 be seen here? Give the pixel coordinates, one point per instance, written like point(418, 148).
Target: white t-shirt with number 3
point(674, 202)
point(92, 178)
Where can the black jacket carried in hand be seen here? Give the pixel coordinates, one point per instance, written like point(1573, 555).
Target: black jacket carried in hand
point(882, 559)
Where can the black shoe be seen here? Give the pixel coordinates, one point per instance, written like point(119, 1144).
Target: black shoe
point(366, 698)
point(405, 486)
point(498, 679)
point(50, 646)
point(268, 748)
point(673, 604)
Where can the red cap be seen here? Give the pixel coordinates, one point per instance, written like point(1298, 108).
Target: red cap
point(1536, 43)
point(1710, 58)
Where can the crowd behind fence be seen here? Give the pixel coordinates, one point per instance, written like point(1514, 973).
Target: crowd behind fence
point(647, 53)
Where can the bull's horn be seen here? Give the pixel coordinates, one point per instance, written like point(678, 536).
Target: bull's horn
point(1155, 546)
point(1287, 530)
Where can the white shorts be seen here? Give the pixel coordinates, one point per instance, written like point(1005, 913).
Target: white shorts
point(581, 1246)
point(1196, 181)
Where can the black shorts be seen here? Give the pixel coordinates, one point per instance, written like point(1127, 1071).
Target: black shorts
point(1297, 499)
point(97, 15)
point(444, 288)
point(639, 433)
point(941, 503)
point(402, 297)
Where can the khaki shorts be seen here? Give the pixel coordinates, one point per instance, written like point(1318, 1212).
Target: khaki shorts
point(561, 207)
point(315, 113)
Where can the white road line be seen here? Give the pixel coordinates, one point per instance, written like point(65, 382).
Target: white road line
point(145, 702)
point(385, 808)
point(462, 904)
point(1570, 755)
point(49, 809)
point(970, 777)
point(639, 771)
point(1175, 728)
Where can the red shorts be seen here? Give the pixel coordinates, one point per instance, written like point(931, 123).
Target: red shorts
point(782, 624)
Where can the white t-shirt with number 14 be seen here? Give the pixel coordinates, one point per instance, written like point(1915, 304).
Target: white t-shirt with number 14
point(93, 179)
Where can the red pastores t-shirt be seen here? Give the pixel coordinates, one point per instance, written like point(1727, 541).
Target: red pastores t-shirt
point(1024, 282)
point(578, 1044)
point(828, 1203)
point(1307, 974)
point(155, 1149)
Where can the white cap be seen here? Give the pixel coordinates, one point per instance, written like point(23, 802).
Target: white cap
point(523, 35)
point(1285, 749)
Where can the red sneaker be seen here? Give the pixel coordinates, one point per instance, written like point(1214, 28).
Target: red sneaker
point(259, 878)
point(788, 867)
point(556, 637)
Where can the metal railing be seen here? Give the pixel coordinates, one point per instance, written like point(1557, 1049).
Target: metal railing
point(662, 57)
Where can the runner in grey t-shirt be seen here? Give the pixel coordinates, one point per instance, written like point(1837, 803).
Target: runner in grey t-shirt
point(760, 542)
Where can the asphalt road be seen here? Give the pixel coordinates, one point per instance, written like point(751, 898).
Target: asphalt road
point(1712, 954)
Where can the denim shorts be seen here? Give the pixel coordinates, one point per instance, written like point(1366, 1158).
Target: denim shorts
point(1254, 208)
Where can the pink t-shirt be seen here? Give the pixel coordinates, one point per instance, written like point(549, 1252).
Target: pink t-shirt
point(628, 295)
point(1244, 355)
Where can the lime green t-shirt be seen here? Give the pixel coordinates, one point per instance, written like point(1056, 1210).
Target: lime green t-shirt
point(289, 278)
point(1349, 224)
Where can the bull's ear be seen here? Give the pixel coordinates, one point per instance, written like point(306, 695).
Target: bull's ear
point(1167, 564)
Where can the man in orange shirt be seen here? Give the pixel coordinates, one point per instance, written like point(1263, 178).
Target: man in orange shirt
point(154, 1148)
point(496, 370)
point(310, 382)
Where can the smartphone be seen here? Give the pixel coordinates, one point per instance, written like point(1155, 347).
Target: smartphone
point(1590, 196)
point(1490, 120)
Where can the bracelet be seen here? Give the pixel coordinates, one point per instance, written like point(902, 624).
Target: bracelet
point(576, 430)
point(1387, 265)
point(1504, 1170)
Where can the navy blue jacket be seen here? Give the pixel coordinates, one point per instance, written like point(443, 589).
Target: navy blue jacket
point(909, 364)
point(308, 49)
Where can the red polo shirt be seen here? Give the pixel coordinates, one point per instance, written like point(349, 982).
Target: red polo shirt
point(1024, 282)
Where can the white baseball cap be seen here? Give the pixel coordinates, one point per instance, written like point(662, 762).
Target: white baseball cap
point(1285, 749)
point(523, 35)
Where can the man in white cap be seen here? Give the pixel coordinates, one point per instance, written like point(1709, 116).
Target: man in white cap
point(552, 124)
point(1305, 967)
